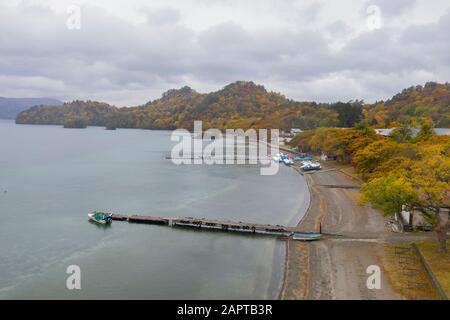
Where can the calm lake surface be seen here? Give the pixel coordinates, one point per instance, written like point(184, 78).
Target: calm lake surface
point(51, 177)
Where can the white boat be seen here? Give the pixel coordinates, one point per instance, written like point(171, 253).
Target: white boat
point(310, 165)
point(305, 164)
point(316, 165)
point(276, 157)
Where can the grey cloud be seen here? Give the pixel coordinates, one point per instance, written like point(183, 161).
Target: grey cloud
point(311, 13)
point(337, 29)
point(162, 16)
point(113, 60)
point(390, 8)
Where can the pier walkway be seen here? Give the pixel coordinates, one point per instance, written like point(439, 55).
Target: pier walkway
point(235, 226)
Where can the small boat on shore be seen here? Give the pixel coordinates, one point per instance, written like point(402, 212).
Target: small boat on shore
point(306, 158)
point(100, 217)
point(310, 166)
point(281, 157)
point(306, 236)
point(288, 161)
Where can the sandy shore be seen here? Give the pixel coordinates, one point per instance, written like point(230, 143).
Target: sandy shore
point(335, 267)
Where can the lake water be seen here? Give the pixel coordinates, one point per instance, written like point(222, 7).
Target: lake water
point(51, 177)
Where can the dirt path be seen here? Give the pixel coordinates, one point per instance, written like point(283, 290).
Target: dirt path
point(338, 271)
point(342, 213)
point(337, 266)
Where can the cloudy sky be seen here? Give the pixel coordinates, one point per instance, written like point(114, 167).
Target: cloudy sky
point(129, 52)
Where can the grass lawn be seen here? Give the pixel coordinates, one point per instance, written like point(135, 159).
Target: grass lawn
point(440, 264)
point(410, 279)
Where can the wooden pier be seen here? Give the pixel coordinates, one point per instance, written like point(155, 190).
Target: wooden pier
point(233, 226)
point(147, 220)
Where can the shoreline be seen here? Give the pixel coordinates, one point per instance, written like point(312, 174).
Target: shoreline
point(290, 246)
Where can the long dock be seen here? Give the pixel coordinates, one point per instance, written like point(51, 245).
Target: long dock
point(234, 226)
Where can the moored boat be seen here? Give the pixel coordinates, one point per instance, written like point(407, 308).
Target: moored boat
point(100, 217)
point(306, 236)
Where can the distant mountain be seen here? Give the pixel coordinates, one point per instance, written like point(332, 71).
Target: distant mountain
point(244, 104)
point(11, 107)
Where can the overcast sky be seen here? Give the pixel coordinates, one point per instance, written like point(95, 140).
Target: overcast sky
point(129, 52)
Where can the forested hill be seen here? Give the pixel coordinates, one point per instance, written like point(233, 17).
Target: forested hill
point(244, 105)
point(89, 112)
point(431, 101)
point(238, 105)
point(11, 107)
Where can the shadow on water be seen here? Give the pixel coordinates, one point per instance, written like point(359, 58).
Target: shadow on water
point(101, 226)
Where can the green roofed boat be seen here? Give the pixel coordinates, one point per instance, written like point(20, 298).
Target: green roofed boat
point(100, 217)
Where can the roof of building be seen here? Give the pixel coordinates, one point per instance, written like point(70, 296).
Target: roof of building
point(387, 131)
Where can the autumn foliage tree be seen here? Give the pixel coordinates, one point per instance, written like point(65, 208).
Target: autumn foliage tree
point(423, 187)
point(340, 142)
point(414, 176)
